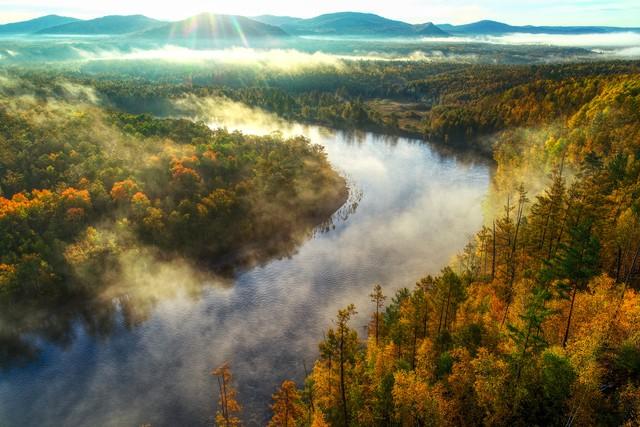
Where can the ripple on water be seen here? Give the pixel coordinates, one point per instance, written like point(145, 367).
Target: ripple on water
point(417, 210)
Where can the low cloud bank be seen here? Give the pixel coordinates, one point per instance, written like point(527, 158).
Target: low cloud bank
point(279, 59)
point(625, 44)
point(284, 59)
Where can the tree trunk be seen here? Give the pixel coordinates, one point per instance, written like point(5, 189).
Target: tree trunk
point(286, 408)
point(342, 381)
point(524, 352)
point(413, 349)
point(493, 257)
point(425, 318)
point(618, 263)
point(446, 313)
point(377, 320)
point(566, 331)
point(512, 262)
point(441, 316)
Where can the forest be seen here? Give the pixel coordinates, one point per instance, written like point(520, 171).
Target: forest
point(80, 184)
point(536, 322)
point(454, 104)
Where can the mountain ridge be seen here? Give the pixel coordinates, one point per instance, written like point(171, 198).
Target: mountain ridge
point(36, 24)
point(490, 27)
point(215, 26)
point(105, 25)
point(358, 24)
point(235, 26)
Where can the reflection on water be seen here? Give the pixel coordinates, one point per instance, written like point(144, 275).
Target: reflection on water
point(415, 210)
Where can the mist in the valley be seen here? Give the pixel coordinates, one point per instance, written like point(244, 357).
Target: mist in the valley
point(225, 113)
point(142, 351)
point(300, 53)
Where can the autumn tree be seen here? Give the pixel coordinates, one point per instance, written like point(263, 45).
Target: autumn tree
point(451, 292)
point(377, 297)
point(340, 346)
point(575, 264)
point(229, 409)
point(287, 406)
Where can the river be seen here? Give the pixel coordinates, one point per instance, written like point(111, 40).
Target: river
point(411, 210)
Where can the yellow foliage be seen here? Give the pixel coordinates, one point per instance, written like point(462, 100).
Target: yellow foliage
point(414, 400)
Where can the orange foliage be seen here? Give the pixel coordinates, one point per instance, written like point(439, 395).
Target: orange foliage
point(21, 203)
point(123, 190)
point(75, 214)
point(286, 407)
point(140, 198)
point(76, 197)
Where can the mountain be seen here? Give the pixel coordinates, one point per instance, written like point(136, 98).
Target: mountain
point(212, 26)
point(276, 21)
point(37, 24)
point(358, 24)
point(480, 27)
point(112, 24)
point(429, 30)
point(488, 27)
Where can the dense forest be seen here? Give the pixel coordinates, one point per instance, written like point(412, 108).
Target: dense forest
point(452, 103)
point(536, 322)
point(79, 184)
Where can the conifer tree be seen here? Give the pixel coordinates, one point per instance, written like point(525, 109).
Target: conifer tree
point(287, 406)
point(377, 297)
point(228, 406)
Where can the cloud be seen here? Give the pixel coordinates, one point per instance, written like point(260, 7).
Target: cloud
point(627, 52)
point(625, 39)
point(622, 39)
point(281, 59)
point(284, 60)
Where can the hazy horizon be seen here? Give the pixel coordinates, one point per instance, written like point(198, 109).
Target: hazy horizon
point(619, 13)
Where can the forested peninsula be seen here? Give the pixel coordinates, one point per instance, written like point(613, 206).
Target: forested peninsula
point(81, 184)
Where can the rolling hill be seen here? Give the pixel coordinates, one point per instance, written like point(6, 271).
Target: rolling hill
point(212, 26)
point(112, 25)
point(488, 27)
point(429, 30)
point(276, 21)
point(37, 24)
point(358, 24)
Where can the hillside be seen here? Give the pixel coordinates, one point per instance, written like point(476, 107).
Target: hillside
point(212, 26)
point(358, 24)
point(37, 24)
point(488, 27)
point(113, 24)
point(429, 29)
point(274, 20)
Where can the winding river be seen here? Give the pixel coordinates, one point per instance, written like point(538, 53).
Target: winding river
point(411, 210)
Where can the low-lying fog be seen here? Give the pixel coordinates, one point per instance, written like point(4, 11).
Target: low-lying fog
point(411, 210)
point(332, 51)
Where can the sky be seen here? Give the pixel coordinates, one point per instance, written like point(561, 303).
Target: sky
point(624, 13)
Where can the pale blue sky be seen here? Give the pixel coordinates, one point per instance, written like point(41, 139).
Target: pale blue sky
point(537, 12)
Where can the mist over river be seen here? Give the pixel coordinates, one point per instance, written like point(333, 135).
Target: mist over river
point(410, 211)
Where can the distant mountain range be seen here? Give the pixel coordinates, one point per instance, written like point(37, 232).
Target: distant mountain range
point(34, 25)
point(212, 26)
point(351, 24)
point(107, 25)
point(488, 27)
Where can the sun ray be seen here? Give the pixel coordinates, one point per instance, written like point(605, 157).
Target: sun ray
point(238, 28)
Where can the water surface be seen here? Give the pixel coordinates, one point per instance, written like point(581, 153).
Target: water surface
point(415, 211)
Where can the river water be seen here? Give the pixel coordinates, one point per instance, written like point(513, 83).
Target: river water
point(411, 210)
